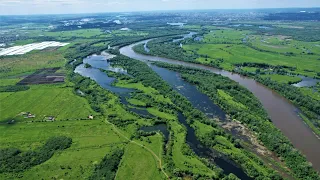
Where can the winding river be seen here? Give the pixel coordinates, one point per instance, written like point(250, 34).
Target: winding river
point(199, 100)
point(283, 114)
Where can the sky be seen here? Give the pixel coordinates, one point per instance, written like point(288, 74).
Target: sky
point(18, 7)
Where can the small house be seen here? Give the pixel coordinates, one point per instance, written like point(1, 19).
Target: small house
point(50, 118)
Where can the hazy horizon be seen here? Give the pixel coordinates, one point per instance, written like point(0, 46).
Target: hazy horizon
point(31, 7)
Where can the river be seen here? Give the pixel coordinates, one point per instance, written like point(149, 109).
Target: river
point(199, 100)
point(282, 112)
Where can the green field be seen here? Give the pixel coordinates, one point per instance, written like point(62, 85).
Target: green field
point(81, 33)
point(225, 36)
point(283, 78)
point(42, 101)
point(284, 44)
point(226, 47)
point(311, 92)
point(115, 128)
point(138, 163)
point(237, 54)
point(12, 66)
point(92, 140)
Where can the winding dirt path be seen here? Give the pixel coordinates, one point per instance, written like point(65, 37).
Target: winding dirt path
point(141, 145)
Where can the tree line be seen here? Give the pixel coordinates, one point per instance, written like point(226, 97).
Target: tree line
point(253, 116)
point(148, 77)
point(14, 160)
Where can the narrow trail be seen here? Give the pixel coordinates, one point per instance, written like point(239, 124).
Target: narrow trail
point(141, 145)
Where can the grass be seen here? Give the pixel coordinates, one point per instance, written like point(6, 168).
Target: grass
point(81, 33)
point(249, 69)
point(44, 100)
point(310, 124)
point(164, 115)
point(28, 63)
point(9, 81)
point(283, 44)
point(227, 45)
point(310, 92)
point(138, 163)
point(146, 90)
point(223, 95)
point(136, 102)
point(92, 140)
point(236, 54)
point(182, 161)
point(283, 78)
point(23, 42)
point(225, 146)
point(225, 36)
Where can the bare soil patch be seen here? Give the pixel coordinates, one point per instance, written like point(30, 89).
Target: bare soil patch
point(43, 76)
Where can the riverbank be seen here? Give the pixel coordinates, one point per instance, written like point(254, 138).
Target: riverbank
point(281, 112)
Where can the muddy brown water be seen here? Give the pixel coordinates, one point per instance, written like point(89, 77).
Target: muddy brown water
point(281, 111)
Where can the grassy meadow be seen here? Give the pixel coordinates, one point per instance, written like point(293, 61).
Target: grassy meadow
point(42, 101)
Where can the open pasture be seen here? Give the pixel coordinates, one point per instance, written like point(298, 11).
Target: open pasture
point(29, 63)
point(283, 78)
point(284, 44)
point(92, 140)
point(42, 101)
point(226, 36)
point(238, 54)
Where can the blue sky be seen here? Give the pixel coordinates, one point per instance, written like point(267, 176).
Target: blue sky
point(88, 6)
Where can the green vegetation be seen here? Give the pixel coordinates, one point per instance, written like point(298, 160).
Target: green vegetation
point(136, 102)
point(27, 64)
point(310, 124)
point(160, 114)
point(138, 163)
point(283, 78)
point(179, 155)
point(46, 132)
point(108, 166)
point(13, 88)
point(243, 106)
point(314, 93)
point(86, 65)
point(13, 160)
point(308, 105)
point(91, 140)
point(236, 50)
point(42, 101)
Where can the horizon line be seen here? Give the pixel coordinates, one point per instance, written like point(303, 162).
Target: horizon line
point(110, 12)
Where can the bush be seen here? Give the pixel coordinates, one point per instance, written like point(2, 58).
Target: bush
point(14, 160)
